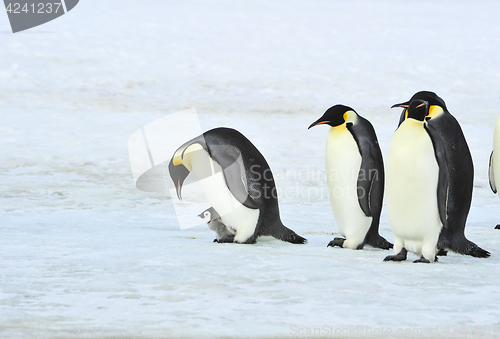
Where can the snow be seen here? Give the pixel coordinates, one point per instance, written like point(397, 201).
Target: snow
point(86, 254)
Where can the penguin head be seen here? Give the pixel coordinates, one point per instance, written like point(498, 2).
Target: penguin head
point(336, 115)
point(418, 110)
point(209, 214)
point(432, 98)
point(178, 173)
point(180, 164)
point(205, 216)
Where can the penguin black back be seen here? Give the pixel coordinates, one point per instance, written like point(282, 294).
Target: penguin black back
point(260, 183)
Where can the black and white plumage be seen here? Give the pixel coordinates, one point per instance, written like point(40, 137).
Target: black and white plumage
point(237, 182)
point(417, 186)
point(461, 175)
point(355, 176)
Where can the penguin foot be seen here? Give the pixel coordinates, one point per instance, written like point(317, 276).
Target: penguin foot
point(224, 240)
point(422, 259)
point(401, 256)
point(442, 253)
point(497, 227)
point(336, 242)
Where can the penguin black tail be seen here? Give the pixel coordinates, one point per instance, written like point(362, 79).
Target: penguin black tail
point(469, 248)
point(378, 242)
point(478, 252)
point(282, 232)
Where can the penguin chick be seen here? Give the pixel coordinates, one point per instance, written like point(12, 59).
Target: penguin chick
point(214, 222)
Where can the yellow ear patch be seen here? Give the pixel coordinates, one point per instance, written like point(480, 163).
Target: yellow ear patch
point(350, 116)
point(435, 111)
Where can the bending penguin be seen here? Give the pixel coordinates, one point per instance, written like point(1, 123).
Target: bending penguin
point(236, 181)
point(494, 170)
point(355, 175)
point(461, 175)
point(214, 222)
point(417, 186)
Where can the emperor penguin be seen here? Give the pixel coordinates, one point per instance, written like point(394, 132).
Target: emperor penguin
point(214, 222)
point(355, 176)
point(236, 181)
point(417, 186)
point(461, 174)
point(494, 168)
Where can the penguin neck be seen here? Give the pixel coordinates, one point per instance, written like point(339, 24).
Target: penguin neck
point(411, 126)
point(336, 131)
point(187, 155)
point(337, 135)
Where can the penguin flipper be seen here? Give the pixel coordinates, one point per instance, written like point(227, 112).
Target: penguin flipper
point(231, 161)
point(402, 117)
point(443, 180)
point(366, 180)
point(491, 175)
point(370, 184)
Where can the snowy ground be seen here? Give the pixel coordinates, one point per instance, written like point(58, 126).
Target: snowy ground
point(85, 254)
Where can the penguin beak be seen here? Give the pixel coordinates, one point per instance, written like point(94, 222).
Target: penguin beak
point(320, 121)
point(200, 215)
point(401, 105)
point(178, 173)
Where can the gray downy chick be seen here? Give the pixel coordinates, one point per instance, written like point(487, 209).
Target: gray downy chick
point(214, 222)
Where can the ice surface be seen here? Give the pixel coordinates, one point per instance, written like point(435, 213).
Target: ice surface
point(85, 254)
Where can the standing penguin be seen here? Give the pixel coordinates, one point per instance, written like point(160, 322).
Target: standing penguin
point(417, 186)
point(214, 222)
point(237, 182)
point(494, 170)
point(461, 175)
point(355, 175)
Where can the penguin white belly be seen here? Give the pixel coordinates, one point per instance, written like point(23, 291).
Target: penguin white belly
point(343, 162)
point(496, 155)
point(234, 215)
point(411, 190)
